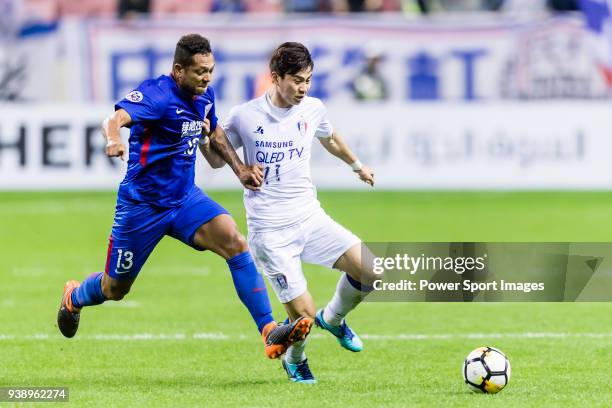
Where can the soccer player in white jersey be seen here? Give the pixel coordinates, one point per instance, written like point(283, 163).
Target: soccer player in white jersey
point(286, 223)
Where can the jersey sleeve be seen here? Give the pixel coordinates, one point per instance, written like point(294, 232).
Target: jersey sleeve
point(212, 113)
point(232, 128)
point(325, 128)
point(147, 102)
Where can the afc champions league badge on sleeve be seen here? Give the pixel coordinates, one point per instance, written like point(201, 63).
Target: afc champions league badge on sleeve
point(134, 96)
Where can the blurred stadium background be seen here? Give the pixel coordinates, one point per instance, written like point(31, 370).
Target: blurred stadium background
point(459, 106)
point(458, 98)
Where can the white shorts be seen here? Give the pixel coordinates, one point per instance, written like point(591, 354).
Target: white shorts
point(279, 254)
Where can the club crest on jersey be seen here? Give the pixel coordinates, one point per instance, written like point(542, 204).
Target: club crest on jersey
point(302, 126)
point(193, 128)
point(281, 281)
point(134, 96)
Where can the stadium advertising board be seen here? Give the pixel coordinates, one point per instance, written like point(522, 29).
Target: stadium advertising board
point(454, 146)
point(420, 62)
point(477, 59)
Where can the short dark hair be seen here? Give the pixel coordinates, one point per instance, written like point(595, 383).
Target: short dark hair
point(188, 46)
point(290, 58)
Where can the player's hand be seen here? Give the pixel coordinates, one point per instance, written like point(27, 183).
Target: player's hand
point(251, 176)
point(115, 148)
point(205, 139)
point(206, 127)
point(366, 175)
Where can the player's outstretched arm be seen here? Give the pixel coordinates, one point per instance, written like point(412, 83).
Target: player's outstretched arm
point(336, 145)
point(215, 161)
point(250, 176)
point(111, 132)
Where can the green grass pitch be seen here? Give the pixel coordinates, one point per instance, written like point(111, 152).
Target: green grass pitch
point(182, 338)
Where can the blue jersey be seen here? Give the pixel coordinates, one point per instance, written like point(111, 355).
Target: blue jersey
point(165, 130)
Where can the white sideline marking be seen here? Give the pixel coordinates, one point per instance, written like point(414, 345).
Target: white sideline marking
point(376, 337)
point(128, 304)
point(216, 336)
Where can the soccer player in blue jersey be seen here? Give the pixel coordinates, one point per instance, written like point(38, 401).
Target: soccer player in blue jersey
point(169, 116)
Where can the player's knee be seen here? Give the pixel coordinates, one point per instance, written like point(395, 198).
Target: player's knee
point(241, 244)
point(235, 244)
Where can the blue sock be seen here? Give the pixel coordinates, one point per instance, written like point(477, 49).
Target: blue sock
point(251, 288)
point(90, 292)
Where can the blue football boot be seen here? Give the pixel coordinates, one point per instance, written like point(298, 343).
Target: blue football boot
point(345, 336)
point(299, 372)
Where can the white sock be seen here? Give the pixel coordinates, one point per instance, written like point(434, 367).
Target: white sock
point(346, 298)
point(295, 353)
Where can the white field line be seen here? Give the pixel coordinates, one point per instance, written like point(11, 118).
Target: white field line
point(127, 304)
point(374, 337)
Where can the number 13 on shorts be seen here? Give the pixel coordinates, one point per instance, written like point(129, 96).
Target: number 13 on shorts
point(125, 261)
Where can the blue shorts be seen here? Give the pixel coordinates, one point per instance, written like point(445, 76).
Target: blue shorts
point(138, 227)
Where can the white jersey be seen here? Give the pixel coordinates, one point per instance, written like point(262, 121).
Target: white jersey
point(281, 141)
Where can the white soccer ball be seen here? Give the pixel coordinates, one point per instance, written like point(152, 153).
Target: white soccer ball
point(486, 370)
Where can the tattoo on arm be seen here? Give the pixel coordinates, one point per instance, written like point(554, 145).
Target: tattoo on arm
point(222, 146)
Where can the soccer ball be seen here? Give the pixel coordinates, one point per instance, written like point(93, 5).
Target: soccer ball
point(486, 370)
